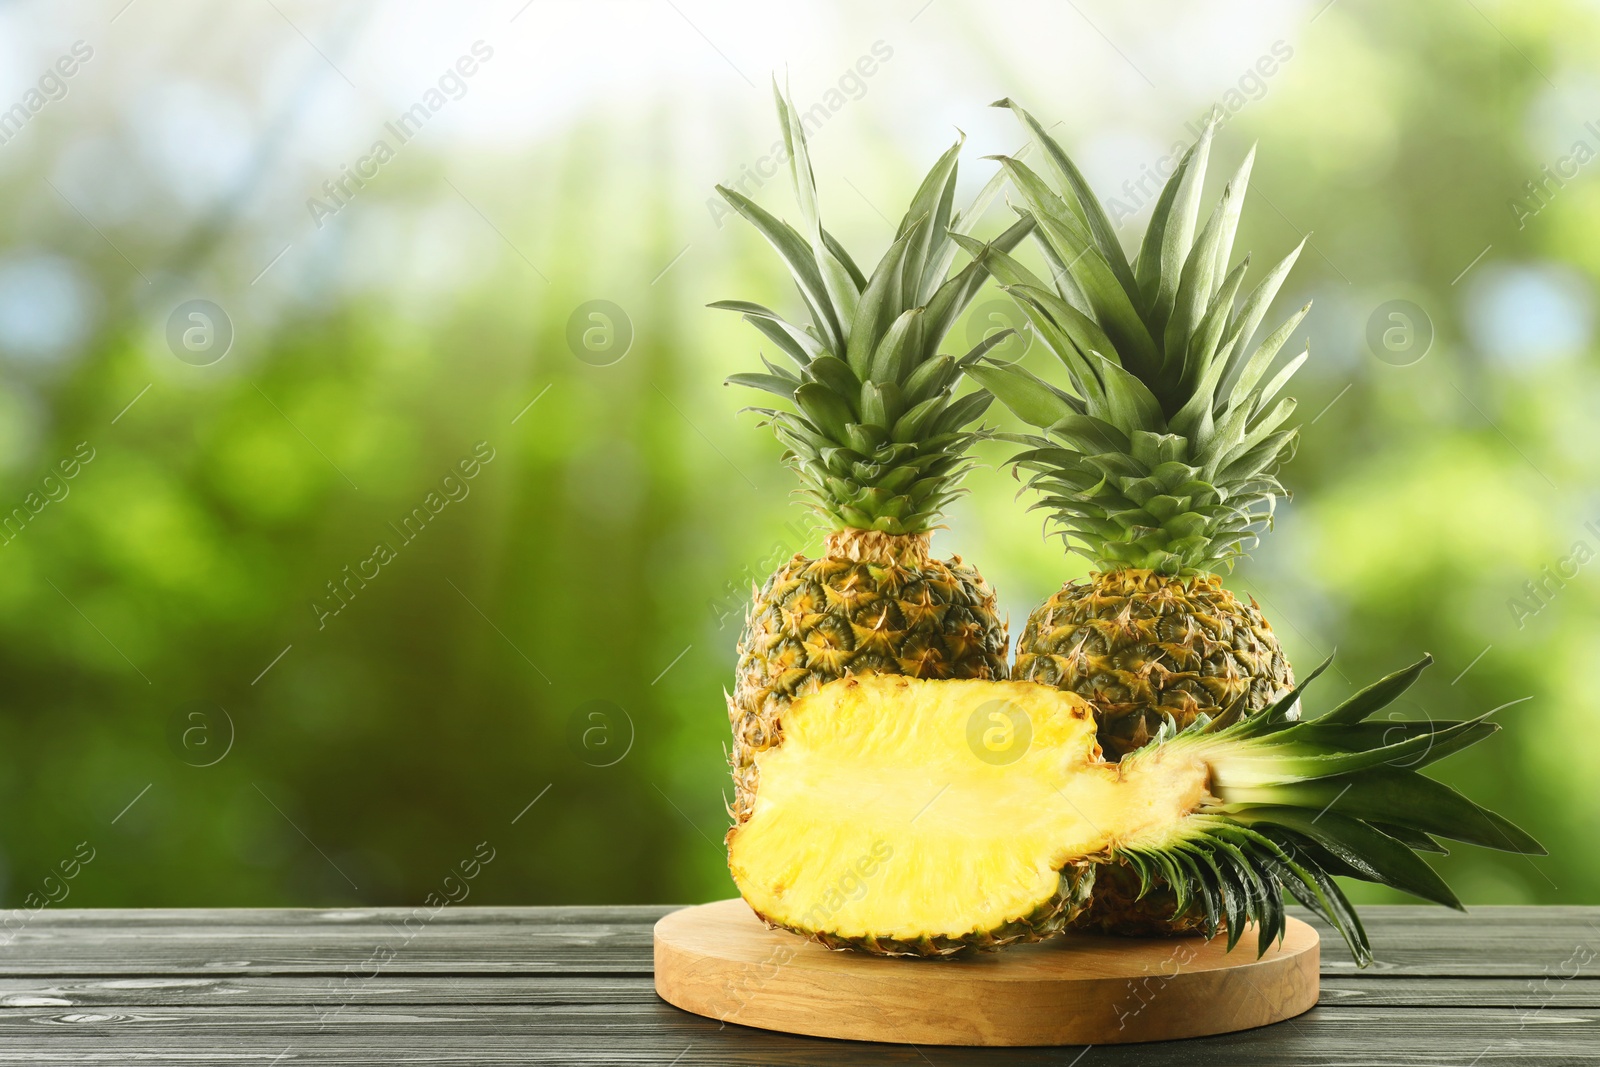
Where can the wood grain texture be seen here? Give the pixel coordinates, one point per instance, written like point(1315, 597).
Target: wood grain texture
point(573, 986)
point(720, 961)
point(388, 990)
point(656, 1034)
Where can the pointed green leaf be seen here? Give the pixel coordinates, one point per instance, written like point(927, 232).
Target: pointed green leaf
point(1231, 208)
point(1029, 397)
point(1081, 370)
point(1377, 856)
point(827, 410)
point(1279, 380)
point(1130, 405)
point(839, 253)
point(1251, 373)
point(895, 356)
point(1254, 309)
point(1147, 268)
point(1105, 235)
point(1178, 234)
point(1046, 203)
point(932, 206)
point(931, 378)
point(1378, 695)
point(909, 426)
point(960, 413)
point(795, 342)
point(1203, 344)
point(880, 305)
point(953, 296)
point(1402, 797)
point(783, 387)
point(1196, 286)
point(834, 373)
point(1113, 310)
point(802, 264)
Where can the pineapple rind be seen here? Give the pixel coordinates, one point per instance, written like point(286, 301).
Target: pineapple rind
point(1076, 882)
point(875, 604)
point(1145, 648)
point(1123, 907)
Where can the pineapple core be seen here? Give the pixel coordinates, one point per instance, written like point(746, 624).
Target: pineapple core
point(914, 809)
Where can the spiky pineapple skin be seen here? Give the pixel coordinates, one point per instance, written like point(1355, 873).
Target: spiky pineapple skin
point(1140, 645)
point(1047, 920)
point(874, 603)
point(1117, 908)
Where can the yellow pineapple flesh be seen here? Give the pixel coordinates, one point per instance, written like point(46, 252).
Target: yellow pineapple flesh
point(889, 820)
point(875, 603)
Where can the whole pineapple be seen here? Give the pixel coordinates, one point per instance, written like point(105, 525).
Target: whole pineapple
point(1159, 463)
point(879, 441)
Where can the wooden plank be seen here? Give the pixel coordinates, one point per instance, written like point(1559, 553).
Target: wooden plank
point(1501, 941)
point(571, 986)
point(1533, 943)
point(454, 915)
point(659, 1035)
point(1389, 991)
point(330, 943)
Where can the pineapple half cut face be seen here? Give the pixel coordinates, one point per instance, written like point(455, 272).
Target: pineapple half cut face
point(907, 816)
point(923, 817)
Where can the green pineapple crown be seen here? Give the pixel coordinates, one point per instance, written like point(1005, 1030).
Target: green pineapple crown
point(1164, 454)
point(873, 427)
point(1296, 803)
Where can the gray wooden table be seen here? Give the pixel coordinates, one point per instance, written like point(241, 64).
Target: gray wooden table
point(573, 986)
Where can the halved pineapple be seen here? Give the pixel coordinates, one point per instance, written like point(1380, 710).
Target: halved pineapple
point(906, 816)
point(876, 820)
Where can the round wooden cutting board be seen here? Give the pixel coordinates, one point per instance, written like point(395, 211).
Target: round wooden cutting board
point(719, 960)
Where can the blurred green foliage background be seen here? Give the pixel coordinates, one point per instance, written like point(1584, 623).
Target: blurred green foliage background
point(560, 631)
